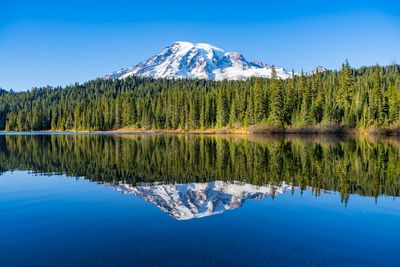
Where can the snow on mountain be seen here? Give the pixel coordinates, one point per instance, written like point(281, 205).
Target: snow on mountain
point(202, 61)
point(196, 200)
point(317, 69)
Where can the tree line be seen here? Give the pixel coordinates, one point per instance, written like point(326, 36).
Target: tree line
point(355, 98)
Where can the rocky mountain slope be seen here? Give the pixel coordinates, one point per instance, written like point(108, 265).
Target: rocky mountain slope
point(202, 61)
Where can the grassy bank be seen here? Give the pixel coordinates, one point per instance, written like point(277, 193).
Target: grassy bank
point(323, 129)
point(257, 129)
point(318, 129)
point(223, 130)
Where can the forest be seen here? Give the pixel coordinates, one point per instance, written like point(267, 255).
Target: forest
point(352, 98)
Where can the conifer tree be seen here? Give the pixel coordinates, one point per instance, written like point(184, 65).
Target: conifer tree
point(259, 99)
point(306, 113)
point(118, 113)
point(318, 110)
point(233, 113)
point(345, 91)
point(290, 100)
point(377, 98)
point(250, 109)
point(277, 114)
point(222, 109)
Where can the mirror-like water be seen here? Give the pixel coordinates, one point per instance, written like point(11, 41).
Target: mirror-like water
point(198, 200)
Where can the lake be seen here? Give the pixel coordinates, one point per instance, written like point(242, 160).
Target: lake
point(198, 200)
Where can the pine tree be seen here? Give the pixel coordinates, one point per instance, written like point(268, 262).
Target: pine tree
point(290, 100)
point(318, 110)
point(233, 113)
point(118, 113)
point(259, 100)
point(207, 112)
point(222, 109)
point(177, 106)
point(346, 87)
point(302, 88)
point(69, 122)
point(78, 116)
point(54, 118)
point(277, 115)
point(193, 118)
point(250, 110)
point(127, 111)
point(376, 99)
point(306, 114)
point(36, 119)
point(393, 102)
point(21, 121)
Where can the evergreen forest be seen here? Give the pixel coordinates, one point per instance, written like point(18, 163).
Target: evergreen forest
point(352, 98)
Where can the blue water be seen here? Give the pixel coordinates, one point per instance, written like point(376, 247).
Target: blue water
point(59, 220)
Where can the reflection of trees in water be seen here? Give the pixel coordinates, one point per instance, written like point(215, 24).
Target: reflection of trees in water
point(341, 163)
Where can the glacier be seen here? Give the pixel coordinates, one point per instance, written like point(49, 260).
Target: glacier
point(200, 61)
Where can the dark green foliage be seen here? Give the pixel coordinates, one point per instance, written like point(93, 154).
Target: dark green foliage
point(354, 98)
point(259, 101)
point(277, 114)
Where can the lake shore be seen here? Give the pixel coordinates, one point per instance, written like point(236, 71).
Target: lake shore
point(254, 129)
point(135, 130)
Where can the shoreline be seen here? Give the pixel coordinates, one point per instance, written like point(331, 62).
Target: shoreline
point(140, 131)
point(262, 130)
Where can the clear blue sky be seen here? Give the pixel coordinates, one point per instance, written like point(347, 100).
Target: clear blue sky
point(63, 42)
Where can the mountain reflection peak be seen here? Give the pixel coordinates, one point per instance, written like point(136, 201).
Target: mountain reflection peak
point(197, 200)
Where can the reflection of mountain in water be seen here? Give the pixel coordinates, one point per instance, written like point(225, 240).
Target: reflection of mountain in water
point(196, 200)
point(363, 166)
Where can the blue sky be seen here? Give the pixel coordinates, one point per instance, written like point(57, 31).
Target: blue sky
point(59, 43)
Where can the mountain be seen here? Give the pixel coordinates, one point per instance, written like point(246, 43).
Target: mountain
point(202, 61)
point(317, 69)
point(196, 200)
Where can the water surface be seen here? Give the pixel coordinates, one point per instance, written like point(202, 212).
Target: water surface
point(198, 200)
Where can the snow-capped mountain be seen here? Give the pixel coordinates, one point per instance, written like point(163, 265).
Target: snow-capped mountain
point(202, 61)
point(317, 69)
point(196, 200)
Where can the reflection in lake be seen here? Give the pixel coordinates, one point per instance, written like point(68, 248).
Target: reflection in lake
point(275, 200)
point(196, 200)
point(347, 165)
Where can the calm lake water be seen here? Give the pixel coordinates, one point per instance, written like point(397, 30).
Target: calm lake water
point(196, 200)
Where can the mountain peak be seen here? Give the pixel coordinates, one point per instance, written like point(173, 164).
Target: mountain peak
point(317, 69)
point(199, 61)
point(190, 45)
point(182, 43)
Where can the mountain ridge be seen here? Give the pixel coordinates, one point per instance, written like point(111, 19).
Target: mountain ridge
point(201, 61)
